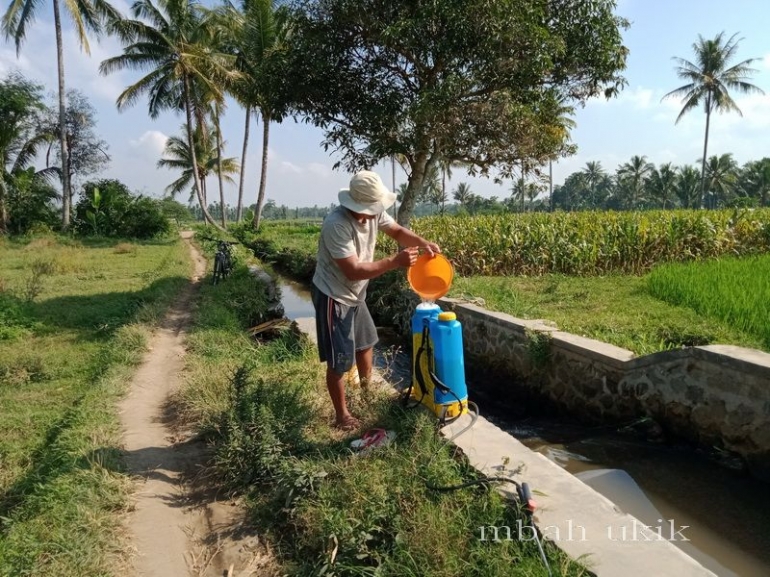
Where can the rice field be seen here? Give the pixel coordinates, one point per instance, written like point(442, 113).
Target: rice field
point(733, 290)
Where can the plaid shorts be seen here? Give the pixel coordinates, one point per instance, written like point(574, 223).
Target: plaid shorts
point(341, 331)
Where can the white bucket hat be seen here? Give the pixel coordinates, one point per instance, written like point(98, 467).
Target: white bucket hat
point(367, 194)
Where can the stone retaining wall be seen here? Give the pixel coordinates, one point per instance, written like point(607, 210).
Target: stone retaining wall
point(714, 395)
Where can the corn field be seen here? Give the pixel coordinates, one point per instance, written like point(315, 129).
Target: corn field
point(734, 290)
point(591, 243)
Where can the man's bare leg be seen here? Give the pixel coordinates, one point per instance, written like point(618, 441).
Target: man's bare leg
point(364, 363)
point(336, 385)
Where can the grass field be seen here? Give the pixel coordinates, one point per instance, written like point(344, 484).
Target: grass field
point(74, 319)
point(735, 291)
point(614, 309)
point(324, 510)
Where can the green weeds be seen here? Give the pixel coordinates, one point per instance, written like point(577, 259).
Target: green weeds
point(326, 510)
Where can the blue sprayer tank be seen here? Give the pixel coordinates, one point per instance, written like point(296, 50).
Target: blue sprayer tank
point(439, 350)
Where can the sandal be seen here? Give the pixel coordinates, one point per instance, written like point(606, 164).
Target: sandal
point(348, 425)
point(371, 439)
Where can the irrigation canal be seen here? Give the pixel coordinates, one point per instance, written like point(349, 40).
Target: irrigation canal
point(727, 512)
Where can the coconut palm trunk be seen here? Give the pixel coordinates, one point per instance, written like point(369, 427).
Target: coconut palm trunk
point(705, 149)
point(191, 142)
point(242, 178)
point(263, 176)
point(65, 177)
point(3, 210)
point(219, 165)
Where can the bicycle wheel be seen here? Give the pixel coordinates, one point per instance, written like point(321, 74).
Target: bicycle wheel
point(218, 269)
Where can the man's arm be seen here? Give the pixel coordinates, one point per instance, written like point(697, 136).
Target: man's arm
point(353, 269)
point(405, 237)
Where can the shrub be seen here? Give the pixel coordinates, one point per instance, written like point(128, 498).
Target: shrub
point(30, 204)
point(108, 208)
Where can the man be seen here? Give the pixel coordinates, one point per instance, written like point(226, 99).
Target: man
point(345, 263)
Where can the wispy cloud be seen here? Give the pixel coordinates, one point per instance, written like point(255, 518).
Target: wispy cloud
point(152, 141)
point(319, 169)
point(289, 167)
point(639, 98)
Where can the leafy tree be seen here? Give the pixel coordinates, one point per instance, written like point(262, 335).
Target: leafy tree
point(21, 105)
point(86, 152)
point(709, 80)
point(754, 181)
point(31, 202)
point(175, 210)
point(472, 81)
point(573, 193)
point(173, 40)
point(108, 208)
point(87, 15)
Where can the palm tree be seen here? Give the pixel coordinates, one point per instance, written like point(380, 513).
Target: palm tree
point(721, 176)
point(562, 126)
point(709, 80)
point(462, 194)
point(661, 183)
point(177, 156)
point(87, 15)
point(255, 35)
point(755, 180)
point(595, 176)
point(173, 41)
point(633, 175)
point(687, 187)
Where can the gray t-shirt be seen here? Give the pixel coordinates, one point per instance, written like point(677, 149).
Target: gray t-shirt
point(343, 236)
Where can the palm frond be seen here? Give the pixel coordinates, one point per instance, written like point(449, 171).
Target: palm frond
point(19, 14)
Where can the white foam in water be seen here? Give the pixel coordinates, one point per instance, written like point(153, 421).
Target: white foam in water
point(426, 305)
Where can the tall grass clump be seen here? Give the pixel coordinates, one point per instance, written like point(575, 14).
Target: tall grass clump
point(734, 290)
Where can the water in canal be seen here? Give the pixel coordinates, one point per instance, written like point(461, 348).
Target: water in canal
point(728, 513)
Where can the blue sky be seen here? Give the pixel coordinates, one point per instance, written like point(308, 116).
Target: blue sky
point(300, 172)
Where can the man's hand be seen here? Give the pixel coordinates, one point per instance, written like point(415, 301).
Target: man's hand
point(431, 248)
point(407, 257)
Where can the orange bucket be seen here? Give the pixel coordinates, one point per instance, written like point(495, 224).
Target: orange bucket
point(430, 276)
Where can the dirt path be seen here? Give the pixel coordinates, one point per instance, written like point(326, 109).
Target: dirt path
point(178, 528)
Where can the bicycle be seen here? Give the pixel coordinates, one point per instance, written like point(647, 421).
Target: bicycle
point(224, 261)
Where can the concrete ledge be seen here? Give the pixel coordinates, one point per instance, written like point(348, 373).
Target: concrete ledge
point(580, 521)
point(739, 358)
point(592, 349)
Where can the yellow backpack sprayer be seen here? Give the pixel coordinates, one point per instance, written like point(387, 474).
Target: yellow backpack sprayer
point(438, 375)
